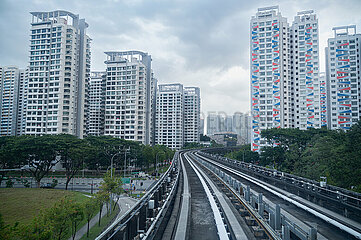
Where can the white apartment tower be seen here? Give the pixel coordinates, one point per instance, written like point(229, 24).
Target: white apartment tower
point(270, 75)
point(169, 125)
point(129, 96)
point(96, 103)
point(9, 95)
point(192, 105)
point(305, 85)
point(22, 101)
point(343, 78)
point(59, 71)
point(286, 91)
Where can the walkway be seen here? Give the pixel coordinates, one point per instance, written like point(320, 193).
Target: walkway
point(124, 203)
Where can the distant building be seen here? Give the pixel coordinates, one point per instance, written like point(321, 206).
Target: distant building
point(177, 115)
point(9, 97)
point(242, 127)
point(129, 96)
point(212, 124)
point(59, 72)
point(229, 123)
point(96, 103)
point(201, 127)
point(227, 139)
point(192, 108)
point(343, 78)
point(169, 122)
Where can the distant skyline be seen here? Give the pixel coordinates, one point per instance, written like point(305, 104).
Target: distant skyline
point(197, 43)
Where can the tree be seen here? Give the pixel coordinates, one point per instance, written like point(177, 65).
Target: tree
point(59, 218)
point(272, 155)
point(38, 229)
point(73, 152)
point(112, 185)
point(244, 154)
point(148, 155)
point(8, 157)
point(101, 198)
point(204, 138)
point(90, 208)
point(38, 153)
point(76, 215)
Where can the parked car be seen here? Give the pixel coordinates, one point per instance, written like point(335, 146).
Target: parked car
point(47, 185)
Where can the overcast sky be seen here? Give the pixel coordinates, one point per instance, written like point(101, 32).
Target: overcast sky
point(202, 43)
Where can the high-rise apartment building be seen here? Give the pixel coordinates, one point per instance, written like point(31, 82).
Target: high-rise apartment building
point(169, 125)
point(9, 95)
point(323, 99)
point(129, 96)
point(96, 103)
point(270, 72)
point(343, 77)
point(285, 85)
point(305, 85)
point(59, 71)
point(192, 105)
point(22, 101)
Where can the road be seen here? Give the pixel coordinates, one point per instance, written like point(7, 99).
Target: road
point(82, 184)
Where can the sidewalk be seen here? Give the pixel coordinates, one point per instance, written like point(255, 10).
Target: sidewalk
point(124, 203)
point(82, 231)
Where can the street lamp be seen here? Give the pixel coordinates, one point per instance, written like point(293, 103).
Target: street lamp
point(156, 164)
point(125, 159)
point(111, 164)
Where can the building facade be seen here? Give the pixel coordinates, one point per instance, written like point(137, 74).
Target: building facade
point(212, 120)
point(22, 101)
point(285, 84)
point(192, 111)
point(129, 96)
point(96, 103)
point(169, 122)
point(323, 99)
point(305, 85)
point(270, 78)
point(242, 127)
point(59, 71)
point(343, 77)
point(9, 97)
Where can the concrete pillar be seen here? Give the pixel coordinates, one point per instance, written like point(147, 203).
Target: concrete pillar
point(278, 217)
point(142, 218)
point(247, 195)
point(156, 199)
point(313, 234)
point(260, 205)
point(272, 220)
point(133, 226)
point(286, 232)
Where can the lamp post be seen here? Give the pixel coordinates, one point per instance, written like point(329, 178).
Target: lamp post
point(125, 159)
point(111, 176)
point(156, 164)
point(111, 164)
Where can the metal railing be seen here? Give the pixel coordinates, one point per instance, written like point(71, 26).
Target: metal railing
point(141, 219)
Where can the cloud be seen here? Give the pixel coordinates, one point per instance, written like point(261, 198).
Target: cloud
point(201, 43)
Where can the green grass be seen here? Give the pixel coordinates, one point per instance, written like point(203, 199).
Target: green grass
point(137, 194)
point(96, 230)
point(22, 204)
